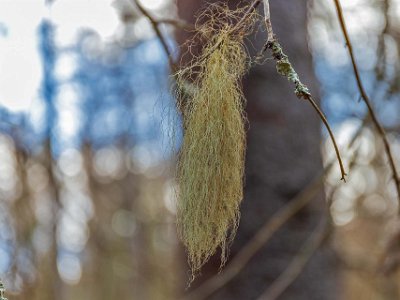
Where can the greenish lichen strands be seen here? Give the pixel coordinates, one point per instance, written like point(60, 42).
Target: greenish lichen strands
point(210, 169)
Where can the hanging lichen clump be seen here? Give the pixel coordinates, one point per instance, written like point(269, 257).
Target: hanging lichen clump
point(211, 162)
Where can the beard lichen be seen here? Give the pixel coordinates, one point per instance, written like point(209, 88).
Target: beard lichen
point(211, 162)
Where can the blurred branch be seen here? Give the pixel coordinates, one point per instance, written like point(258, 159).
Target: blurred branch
point(177, 23)
point(298, 262)
point(157, 30)
point(241, 259)
point(258, 241)
point(380, 68)
point(367, 101)
point(316, 239)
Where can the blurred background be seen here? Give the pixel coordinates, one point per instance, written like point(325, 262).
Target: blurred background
point(89, 134)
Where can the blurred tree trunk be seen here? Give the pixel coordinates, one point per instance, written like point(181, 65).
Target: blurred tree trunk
point(283, 156)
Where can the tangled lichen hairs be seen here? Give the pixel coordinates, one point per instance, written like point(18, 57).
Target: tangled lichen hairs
point(211, 163)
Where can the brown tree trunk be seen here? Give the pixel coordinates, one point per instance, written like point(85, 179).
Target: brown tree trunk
point(283, 156)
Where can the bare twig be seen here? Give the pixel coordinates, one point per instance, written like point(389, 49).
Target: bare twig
point(298, 262)
point(157, 30)
point(177, 23)
point(367, 101)
point(325, 121)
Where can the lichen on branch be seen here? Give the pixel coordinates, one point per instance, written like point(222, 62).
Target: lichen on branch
point(211, 162)
point(284, 68)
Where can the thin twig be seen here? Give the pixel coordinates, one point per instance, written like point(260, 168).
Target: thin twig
point(367, 101)
point(177, 23)
point(267, 20)
point(325, 121)
point(285, 68)
point(248, 13)
point(299, 262)
point(157, 30)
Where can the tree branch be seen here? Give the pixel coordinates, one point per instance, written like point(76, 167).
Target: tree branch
point(177, 23)
point(285, 68)
point(299, 262)
point(367, 101)
point(157, 30)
